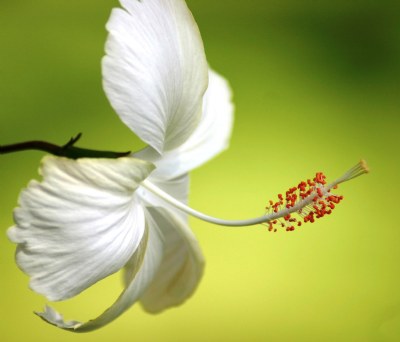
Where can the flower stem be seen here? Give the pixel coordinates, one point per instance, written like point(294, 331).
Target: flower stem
point(68, 150)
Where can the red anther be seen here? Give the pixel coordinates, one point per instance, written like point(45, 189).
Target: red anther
point(335, 186)
point(270, 202)
point(334, 199)
point(302, 186)
point(275, 221)
point(320, 193)
point(287, 217)
point(320, 178)
point(315, 199)
point(299, 224)
point(287, 206)
point(309, 217)
point(280, 197)
point(331, 205)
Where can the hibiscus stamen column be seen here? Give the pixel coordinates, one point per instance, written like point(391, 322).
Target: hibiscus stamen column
point(309, 200)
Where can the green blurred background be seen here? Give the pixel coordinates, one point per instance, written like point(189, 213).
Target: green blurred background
point(316, 87)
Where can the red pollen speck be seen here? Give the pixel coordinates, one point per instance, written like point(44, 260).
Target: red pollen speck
point(320, 178)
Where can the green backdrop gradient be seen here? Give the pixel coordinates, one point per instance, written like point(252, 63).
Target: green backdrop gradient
point(316, 87)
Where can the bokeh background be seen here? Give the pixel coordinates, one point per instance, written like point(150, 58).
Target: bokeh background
point(316, 87)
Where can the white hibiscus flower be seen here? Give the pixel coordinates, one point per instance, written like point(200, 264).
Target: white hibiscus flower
point(90, 217)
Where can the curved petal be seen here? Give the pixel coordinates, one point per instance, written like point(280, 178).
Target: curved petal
point(210, 137)
point(182, 264)
point(141, 270)
point(80, 224)
point(155, 70)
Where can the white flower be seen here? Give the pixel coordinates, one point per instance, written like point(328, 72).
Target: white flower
point(89, 218)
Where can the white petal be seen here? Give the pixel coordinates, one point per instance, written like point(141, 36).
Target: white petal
point(210, 137)
point(141, 271)
point(177, 188)
point(182, 264)
point(80, 224)
point(155, 70)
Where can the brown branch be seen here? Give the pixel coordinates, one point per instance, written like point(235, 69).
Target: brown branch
point(68, 150)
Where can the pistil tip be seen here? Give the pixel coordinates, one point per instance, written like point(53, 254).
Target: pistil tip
point(364, 165)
